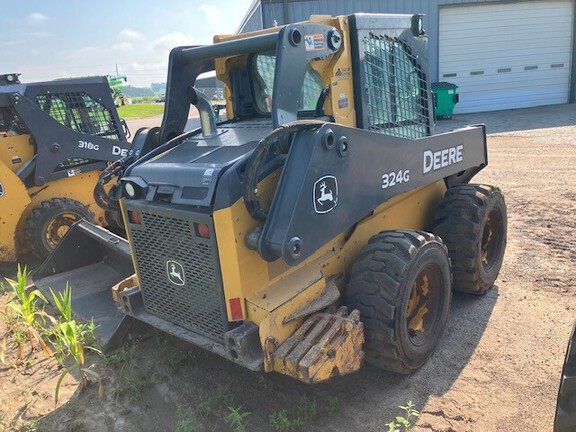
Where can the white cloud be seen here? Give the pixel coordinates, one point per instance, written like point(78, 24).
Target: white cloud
point(86, 52)
point(130, 35)
point(148, 67)
point(123, 46)
point(37, 18)
point(168, 41)
point(140, 47)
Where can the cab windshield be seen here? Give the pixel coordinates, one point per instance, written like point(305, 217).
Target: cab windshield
point(263, 68)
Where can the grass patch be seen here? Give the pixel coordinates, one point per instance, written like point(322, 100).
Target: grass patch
point(186, 422)
point(297, 420)
point(132, 376)
point(333, 405)
point(140, 110)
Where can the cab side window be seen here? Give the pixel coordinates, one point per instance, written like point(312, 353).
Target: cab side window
point(263, 72)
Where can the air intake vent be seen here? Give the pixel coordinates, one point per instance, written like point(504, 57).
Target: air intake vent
point(179, 273)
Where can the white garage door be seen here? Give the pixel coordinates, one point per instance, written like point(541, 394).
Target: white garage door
point(506, 56)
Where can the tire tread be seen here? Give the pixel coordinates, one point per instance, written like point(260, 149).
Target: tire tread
point(38, 216)
point(384, 262)
point(459, 222)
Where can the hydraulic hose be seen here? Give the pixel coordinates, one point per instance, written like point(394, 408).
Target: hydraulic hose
point(109, 200)
point(251, 198)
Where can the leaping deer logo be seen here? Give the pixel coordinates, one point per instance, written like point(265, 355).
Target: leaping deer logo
point(175, 272)
point(325, 194)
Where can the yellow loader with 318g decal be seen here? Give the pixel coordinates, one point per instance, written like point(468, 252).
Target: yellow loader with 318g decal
point(55, 139)
point(320, 225)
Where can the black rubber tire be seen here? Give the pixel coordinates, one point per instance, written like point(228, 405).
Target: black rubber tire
point(40, 220)
point(565, 418)
point(461, 221)
point(380, 287)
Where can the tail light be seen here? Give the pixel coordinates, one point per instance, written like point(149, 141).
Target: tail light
point(202, 230)
point(134, 217)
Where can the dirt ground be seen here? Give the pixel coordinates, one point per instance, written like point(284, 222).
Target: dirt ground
point(496, 369)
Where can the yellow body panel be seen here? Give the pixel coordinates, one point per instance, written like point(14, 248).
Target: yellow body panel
point(336, 71)
point(15, 150)
point(269, 309)
point(243, 271)
point(271, 292)
point(19, 202)
point(245, 274)
point(13, 202)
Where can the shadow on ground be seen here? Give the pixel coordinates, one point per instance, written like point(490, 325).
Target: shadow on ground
point(166, 384)
point(514, 120)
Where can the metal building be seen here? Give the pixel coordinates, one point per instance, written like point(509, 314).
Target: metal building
point(501, 54)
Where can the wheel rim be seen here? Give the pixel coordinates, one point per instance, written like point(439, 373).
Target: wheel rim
point(424, 305)
point(59, 226)
point(491, 240)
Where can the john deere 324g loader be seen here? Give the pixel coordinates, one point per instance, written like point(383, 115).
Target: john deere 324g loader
point(320, 225)
point(55, 139)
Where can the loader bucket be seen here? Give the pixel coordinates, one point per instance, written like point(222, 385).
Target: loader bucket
point(90, 260)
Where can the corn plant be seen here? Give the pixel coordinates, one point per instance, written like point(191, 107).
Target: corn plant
point(69, 336)
point(62, 300)
point(23, 315)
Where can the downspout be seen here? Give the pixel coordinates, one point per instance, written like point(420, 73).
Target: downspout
point(572, 96)
point(285, 11)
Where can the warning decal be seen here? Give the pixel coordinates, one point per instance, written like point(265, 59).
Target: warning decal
point(314, 42)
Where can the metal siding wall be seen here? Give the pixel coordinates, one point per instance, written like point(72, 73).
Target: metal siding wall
point(572, 95)
point(271, 12)
point(300, 11)
point(255, 21)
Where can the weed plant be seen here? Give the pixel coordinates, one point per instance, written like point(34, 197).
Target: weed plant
point(238, 418)
point(403, 423)
point(282, 421)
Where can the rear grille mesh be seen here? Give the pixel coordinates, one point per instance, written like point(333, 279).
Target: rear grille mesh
point(197, 305)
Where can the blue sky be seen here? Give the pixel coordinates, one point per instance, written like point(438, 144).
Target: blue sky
point(45, 40)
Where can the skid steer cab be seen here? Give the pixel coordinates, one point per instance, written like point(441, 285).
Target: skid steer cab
point(55, 139)
point(322, 224)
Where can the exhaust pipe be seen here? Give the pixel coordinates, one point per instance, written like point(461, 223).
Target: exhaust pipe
point(204, 107)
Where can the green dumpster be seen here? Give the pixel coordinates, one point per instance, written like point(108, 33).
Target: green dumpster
point(445, 98)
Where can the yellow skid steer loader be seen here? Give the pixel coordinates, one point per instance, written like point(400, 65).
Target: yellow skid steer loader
point(320, 225)
point(55, 139)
